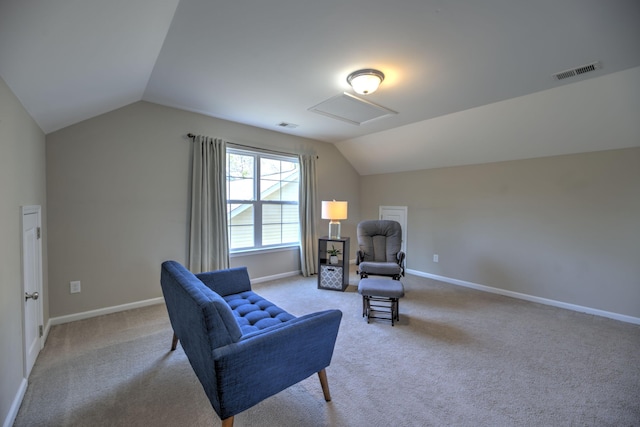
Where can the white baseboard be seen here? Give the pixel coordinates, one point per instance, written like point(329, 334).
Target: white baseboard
point(276, 276)
point(160, 300)
point(99, 312)
point(526, 297)
point(15, 405)
point(114, 309)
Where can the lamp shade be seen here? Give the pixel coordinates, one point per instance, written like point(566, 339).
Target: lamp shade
point(334, 210)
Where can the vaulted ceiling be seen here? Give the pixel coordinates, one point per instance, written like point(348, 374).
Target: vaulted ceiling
point(450, 66)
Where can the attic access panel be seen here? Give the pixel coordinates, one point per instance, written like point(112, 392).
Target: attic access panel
point(351, 109)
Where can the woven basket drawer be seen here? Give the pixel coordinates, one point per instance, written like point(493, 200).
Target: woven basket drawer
point(331, 276)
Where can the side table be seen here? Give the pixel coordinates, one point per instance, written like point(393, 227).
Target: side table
point(333, 276)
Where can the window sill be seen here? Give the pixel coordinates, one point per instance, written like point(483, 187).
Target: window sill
point(249, 252)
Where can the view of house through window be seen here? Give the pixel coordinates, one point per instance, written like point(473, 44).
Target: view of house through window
point(262, 200)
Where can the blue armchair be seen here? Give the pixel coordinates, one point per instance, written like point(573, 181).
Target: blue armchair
point(242, 347)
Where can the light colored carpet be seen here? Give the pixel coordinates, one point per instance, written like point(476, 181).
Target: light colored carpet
point(458, 357)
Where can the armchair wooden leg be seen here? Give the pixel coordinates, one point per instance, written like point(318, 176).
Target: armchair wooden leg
point(227, 422)
point(174, 343)
point(325, 385)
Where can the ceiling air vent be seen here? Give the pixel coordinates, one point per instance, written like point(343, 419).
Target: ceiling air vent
point(577, 71)
point(287, 125)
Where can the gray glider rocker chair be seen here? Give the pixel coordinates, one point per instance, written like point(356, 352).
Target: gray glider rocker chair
point(379, 254)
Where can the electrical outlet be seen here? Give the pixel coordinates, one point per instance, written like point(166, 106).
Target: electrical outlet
point(74, 287)
point(436, 258)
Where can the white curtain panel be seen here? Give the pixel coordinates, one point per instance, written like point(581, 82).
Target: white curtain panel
point(208, 242)
point(308, 208)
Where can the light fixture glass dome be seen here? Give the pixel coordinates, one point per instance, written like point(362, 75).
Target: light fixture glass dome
point(365, 81)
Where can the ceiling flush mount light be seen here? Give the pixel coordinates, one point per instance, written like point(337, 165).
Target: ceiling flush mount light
point(365, 81)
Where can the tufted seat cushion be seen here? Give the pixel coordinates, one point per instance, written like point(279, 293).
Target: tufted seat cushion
point(254, 313)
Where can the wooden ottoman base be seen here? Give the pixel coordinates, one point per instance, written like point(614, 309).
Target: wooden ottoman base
point(380, 298)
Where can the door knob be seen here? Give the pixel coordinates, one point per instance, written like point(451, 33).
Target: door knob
point(34, 295)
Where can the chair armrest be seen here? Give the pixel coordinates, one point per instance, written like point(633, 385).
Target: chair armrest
point(227, 282)
point(359, 257)
point(400, 257)
point(253, 369)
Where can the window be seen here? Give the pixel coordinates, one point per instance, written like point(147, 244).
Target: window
point(262, 200)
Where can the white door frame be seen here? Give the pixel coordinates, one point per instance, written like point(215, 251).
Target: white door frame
point(32, 309)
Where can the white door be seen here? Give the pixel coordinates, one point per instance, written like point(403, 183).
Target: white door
point(397, 213)
point(32, 285)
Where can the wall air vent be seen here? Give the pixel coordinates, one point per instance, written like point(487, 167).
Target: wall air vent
point(578, 71)
point(287, 125)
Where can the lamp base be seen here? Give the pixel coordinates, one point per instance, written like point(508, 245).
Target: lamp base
point(334, 229)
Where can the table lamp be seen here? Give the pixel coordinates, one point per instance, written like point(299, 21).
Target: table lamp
point(334, 211)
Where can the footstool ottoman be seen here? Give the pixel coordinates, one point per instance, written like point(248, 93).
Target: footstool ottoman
point(380, 296)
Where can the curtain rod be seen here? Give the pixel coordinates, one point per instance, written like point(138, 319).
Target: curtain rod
point(267, 150)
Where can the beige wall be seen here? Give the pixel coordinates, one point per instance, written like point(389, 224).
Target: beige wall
point(118, 190)
point(565, 228)
point(22, 182)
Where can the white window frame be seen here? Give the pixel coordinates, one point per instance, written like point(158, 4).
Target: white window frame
point(257, 203)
